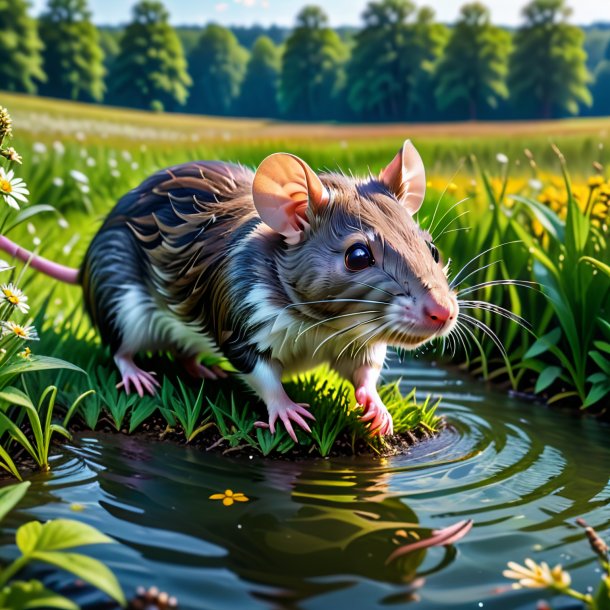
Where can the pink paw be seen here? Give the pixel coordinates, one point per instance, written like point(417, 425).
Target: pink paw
point(374, 411)
point(132, 375)
point(194, 368)
point(287, 411)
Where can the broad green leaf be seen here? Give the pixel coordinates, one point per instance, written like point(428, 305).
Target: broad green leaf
point(15, 396)
point(546, 378)
point(598, 378)
point(603, 363)
point(543, 344)
point(29, 212)
point(10, 496)
point(27, 536)
point(66, 534)
point(604, 346)
point(596, 393)
point(20, 595)
point(86, 568)
point(545, 216)
point(37, 363)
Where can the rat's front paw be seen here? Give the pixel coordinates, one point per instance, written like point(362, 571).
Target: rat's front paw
point(287, 410)
point(374, 411)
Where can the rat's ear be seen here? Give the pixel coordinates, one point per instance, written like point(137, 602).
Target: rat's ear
point(405, 176)
point(284, 187)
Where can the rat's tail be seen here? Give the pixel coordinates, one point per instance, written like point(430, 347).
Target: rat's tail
point(55, 270)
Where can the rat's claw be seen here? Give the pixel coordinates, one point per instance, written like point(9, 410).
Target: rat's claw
point(287, 412)
point(132, 375)
point(374, 411)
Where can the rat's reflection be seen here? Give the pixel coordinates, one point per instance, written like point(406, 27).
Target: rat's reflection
point(304, 521)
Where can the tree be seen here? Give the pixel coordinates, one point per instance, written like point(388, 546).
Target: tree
point(312, 76)
point(217, 66)
point(393, 60)
point(471, 76)
point(20, 48)
point(150, 70)
point(601, 86)
point(73, 58)
point(548, 73)
point(259, 91)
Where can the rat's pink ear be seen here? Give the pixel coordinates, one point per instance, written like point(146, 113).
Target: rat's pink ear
point(284, 187)
point(405, 176)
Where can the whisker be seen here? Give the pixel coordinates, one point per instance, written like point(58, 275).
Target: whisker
point(490, 333)
point(477, 270)
point(345, 330)
point(345, 315)
point(505, 313)
point(432, 229)
point(520, 283)
point(457, 171)
point(474, 258)
point(437, 237)
point(376, 288)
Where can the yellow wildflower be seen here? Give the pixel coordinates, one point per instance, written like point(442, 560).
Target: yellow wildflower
point(595, 181)
point(26, 354)
point(229, 497)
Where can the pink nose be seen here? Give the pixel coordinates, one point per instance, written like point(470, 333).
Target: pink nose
point(436, 312)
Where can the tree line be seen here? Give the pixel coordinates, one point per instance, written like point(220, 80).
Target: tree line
point(400, 65)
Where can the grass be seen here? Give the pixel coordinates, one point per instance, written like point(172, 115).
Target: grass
point(500, 204)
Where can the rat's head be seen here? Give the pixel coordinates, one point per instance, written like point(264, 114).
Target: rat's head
point(356, 261)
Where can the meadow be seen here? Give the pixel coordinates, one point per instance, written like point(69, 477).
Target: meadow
point(526, 202)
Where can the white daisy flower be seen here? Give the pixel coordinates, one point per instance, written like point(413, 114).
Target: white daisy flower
point(502, 158)
point(14, 296)
point(12, 189)
point(39, 148)
point(27, 333)
point(4, 266)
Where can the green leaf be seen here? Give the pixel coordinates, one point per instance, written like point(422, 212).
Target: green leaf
point(15, 396)
point(545, 216)
point(603, 363)
point(547, 377)
point(543, 344)
point(37, 363)
point(27, 536)
point(8, 464)
point(596, 263)
point(604, 346)
point(66, 534)
point(602, 597)
point(86, 568)
point(10, 496)
point(20, 595)
point(29, 212)
point(596, 393)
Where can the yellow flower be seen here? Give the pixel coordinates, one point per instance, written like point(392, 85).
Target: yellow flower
point(13, 296)
point(452, 187)
point(229, 496)
point(595, 181)
point(537, 576)
point(27, 333)
point(26, 354)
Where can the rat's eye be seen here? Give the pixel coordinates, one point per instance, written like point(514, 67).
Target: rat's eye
point(358, 257)
point(434, 251)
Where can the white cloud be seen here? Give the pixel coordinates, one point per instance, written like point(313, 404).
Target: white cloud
point(221, 7)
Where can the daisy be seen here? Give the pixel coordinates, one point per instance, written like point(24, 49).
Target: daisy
point(537, 576)
point(12, 189)
point(27, 333)
point(15, 297)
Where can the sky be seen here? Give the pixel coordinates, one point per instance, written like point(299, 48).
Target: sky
point(341, 12)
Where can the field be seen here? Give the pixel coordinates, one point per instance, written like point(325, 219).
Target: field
point(488, 184)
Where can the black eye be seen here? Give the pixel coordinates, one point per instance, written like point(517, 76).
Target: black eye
point(434, 251)
point(358, 257)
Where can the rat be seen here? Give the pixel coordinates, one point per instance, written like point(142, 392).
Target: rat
point(277, 270)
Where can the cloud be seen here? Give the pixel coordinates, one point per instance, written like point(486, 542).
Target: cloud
point(221, 7)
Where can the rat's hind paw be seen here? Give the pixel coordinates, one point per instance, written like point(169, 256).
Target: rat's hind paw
point(374, 411)
point(287, 411)
point(194, 368)
point(132, 375)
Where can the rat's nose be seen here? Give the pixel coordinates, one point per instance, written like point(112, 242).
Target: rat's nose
point(437, 313)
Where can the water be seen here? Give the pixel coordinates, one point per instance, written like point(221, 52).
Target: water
point(316, 534)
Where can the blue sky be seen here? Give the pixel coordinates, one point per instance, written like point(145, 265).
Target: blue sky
point(341, 12)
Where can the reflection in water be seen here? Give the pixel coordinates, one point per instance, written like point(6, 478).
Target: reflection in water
point(318, 533)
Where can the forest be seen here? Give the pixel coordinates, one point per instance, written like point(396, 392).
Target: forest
point(400, 64)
